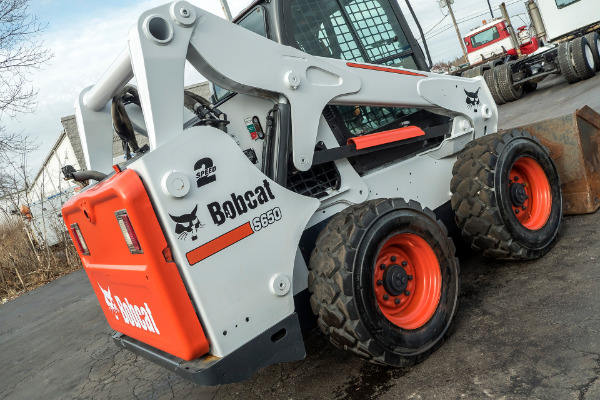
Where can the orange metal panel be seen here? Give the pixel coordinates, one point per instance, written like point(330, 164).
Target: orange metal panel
point(142, 295)
point(379, 138)
point(220, 243)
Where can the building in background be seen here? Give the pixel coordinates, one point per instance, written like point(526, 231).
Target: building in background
point(49, 191)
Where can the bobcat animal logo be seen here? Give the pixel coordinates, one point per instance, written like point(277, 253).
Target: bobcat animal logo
point(187, 224)
point(472, 100)
point(110, 302)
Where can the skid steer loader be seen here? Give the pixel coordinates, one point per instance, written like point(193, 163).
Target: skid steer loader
point(319, 174)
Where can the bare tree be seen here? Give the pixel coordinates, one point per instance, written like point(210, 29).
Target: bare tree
point(20, 53)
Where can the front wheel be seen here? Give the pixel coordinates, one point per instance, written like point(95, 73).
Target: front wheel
point(384, 281)
point(506, 196)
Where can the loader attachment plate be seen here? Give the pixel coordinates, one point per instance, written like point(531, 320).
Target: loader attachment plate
point(141, 294)
point(574, 144)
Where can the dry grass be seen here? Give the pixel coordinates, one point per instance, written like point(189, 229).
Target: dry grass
point(26, 265)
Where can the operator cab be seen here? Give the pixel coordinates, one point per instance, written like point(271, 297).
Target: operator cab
point(368, 31)
point(362, 31)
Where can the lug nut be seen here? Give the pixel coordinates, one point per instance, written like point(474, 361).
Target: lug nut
point(407, 292)
point(517, 211)
point(397, 301)
point(393, 259)
point(404, 263)
point(382, 266)
point(516, 178)
point(410, 277)
point(379, 282)
point(524, 208)
point(386, 297)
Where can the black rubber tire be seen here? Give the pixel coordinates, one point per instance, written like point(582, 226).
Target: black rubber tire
point(490, 79)
point(341, 282)
point(481, 202)
point(473, 72)
point(583, 58)
point(565, 63)
point(593, 39)
point(529, 87)
point(505, 83)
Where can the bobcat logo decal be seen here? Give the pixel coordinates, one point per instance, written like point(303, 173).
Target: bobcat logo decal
point(473, 100)
point(110, 302)
point(187, 224)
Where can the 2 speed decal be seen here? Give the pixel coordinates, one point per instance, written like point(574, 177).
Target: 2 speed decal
point(205, 172)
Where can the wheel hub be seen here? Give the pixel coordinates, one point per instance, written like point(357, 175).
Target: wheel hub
point(395, 280)
point(517, 194)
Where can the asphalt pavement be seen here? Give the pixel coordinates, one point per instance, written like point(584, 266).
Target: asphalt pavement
point(525, 330)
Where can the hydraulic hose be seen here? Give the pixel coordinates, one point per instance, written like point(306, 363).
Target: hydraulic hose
point(81, 176)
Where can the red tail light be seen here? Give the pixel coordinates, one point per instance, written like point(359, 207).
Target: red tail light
point(128, 233)
point(79, 241)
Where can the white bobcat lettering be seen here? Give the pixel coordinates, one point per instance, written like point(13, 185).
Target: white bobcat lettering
point(138, 316)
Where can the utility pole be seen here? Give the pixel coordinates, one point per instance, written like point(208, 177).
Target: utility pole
point(460, 39)
point(511, 30)
point(490, 6)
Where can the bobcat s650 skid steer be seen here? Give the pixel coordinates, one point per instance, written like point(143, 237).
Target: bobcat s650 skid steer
point(316, 178)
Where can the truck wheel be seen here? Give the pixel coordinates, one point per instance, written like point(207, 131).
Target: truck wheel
point(583, 58)
point(384, 281)
point(506, 85)
point(493, 86)
point(506, 196)
point(473, 72)
point(565, 63)
point(593, 39)
point(529, 87)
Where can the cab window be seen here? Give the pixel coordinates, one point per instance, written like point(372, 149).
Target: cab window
point(256, 22)
point(565, 3)
point(485, 37)
point(361, 30)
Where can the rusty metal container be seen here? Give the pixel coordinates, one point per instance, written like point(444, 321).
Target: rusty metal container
point(574, 144)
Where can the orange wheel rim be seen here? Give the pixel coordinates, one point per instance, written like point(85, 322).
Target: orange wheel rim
point(529, 193)
point(407, 281)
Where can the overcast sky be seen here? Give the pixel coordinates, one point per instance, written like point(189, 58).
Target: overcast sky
point(86, 36)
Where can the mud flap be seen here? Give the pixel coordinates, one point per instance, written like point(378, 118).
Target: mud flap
point(574, 144)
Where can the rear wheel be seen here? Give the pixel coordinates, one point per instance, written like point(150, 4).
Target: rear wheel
point(505, 83)
point(583, 58)
point(384, 281)
point(473, 72)
point(490, 79)
point(593, 39)
point(529, 87)
point(565, 63)
point(506, 196)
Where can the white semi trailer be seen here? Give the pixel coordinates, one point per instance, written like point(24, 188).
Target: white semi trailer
point(569, 31)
